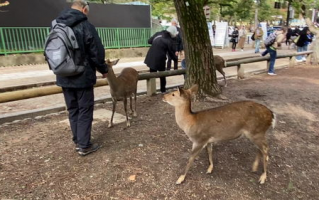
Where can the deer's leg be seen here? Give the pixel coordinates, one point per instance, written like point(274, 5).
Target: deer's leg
point(262, 145)
point(225, 80)
point(256, 162)
point(131, 111)
point(210, 157)
point(128, 124)
point(134, 112)
point(113, 111)
point(195, 151)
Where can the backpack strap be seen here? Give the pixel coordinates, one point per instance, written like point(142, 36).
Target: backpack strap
point(54, 23)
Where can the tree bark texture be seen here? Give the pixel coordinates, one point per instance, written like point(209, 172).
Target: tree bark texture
point(197, 47)
point(315, 45)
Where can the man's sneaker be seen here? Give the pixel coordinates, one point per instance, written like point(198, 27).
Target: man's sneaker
point(271, 74)
point(304, 59)
point(77, 148)
point(299, 60)
point(91, 149)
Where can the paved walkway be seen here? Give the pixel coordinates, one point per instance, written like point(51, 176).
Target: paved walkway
point(30, 74)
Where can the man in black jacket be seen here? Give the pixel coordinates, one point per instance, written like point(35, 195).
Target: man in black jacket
point(162, 45)
point(78, 90)
point(177, 47)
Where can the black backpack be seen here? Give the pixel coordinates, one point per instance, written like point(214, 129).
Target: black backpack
point(60, 50)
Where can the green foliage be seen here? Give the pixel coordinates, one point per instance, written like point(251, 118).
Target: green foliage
point(266, 11)
point(163, 10)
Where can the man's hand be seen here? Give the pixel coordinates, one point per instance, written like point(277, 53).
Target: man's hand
point(104, 75)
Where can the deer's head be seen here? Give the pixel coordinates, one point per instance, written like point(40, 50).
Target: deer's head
point(110, 64)
point(180, 96)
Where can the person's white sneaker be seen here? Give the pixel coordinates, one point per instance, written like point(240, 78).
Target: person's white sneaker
point(242, 50)
point(304, 59)
point(299, 60)
point(271, 74)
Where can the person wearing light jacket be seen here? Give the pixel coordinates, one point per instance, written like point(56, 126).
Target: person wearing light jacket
point(272, 49)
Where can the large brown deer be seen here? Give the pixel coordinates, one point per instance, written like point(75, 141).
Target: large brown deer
point(222, 124)
point(122, 87)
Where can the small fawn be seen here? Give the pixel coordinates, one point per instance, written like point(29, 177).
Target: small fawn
point(122, 87)
point(222, 124)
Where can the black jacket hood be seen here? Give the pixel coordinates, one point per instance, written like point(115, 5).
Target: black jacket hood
point(71, 17)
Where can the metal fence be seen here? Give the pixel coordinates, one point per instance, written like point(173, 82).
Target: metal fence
point(31, 39)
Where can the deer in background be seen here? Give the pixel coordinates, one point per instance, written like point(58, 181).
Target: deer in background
point(224, 123)
point(122, 87)
point(220, 63)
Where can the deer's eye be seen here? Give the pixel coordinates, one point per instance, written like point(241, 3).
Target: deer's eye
point(173, 94)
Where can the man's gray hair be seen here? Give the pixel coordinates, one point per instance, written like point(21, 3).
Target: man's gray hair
point(174, 21)
point(80, 3)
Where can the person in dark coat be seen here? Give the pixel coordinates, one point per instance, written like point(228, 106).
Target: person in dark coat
point(234, 38)
point(288, 39)
point(302, 43)
point(78, 90)
point(162, 45)
point(177, 46)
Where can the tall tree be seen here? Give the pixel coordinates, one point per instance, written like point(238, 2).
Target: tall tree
point(197, 47)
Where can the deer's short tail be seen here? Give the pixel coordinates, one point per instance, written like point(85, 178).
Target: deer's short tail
point(274, 120)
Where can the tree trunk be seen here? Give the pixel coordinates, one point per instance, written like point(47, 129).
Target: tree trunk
point(197, 47)
point(315, 44)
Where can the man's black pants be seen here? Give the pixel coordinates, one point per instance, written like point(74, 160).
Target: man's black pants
point(169, 63)
point(162, 80)
point(80, 105)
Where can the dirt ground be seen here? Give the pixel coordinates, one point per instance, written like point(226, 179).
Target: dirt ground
point(38, 159)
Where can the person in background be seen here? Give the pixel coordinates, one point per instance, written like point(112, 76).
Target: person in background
point(242, 38)
point(302, 44)
point(234, 38)
point(258, 37)
point(272, 49)
point(78, 90)
point(177, 46)
point(288, 39)
point(162, 45)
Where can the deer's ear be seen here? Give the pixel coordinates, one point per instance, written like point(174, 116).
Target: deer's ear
point(181, 91)
point(193, 89)
point(116, 61)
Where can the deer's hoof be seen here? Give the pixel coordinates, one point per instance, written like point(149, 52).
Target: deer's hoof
point(180, 179)
point(110, 125)
point(210, 169)
point(128, 124)
point(263, 178)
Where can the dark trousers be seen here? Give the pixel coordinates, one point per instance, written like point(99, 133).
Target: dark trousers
point(234, 45)
point(80, 105)
point(169, 63)
point(162, 80)
point(273, 56)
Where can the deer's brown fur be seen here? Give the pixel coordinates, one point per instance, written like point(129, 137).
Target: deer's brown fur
point(122, 87)
point(224, 123)
point(220, 63)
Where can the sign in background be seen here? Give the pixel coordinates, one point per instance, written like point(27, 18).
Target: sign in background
point(40, 13)
point(221, 34)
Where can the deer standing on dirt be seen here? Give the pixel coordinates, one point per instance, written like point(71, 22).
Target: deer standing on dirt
point(122, 87)
point(220, 63)
point(222, 124)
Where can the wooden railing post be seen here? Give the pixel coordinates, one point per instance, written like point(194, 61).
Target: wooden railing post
point(151, 86)
point(291, 61)
point(240, 72)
